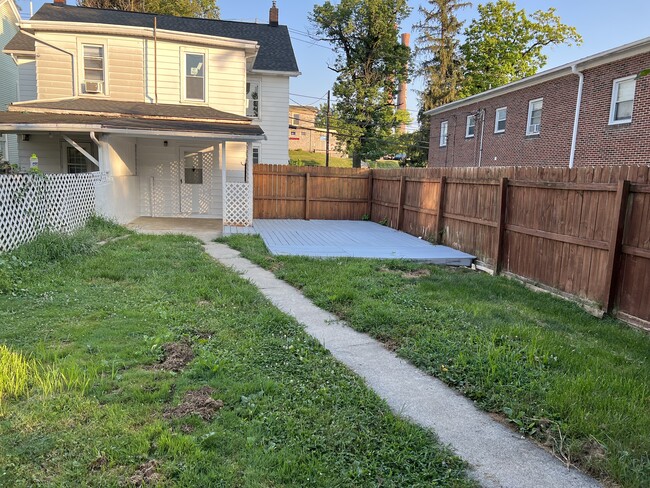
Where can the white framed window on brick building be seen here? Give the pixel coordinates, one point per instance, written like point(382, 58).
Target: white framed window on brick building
point(622, 100)
point(500, 120)
point(534, 122)
point(444, 128)
point(470, 126)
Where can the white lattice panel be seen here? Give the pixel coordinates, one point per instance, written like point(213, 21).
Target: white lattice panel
point(238, 204)
point(29, 204)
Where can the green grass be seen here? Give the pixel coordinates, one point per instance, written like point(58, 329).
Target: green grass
point(98, 317)
point(577, 384)
point(318, 159)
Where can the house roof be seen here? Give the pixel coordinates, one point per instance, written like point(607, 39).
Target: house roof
point(20, 43)
point(611, 55)
point(86, 106)
point(275, 54)
point(33, 122)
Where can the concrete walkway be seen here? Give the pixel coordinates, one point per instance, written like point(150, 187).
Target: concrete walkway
point(498, 457)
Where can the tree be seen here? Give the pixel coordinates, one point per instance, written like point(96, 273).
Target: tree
point(438, 52)
point(505, 44)
point(207, 9)
point(370, 63)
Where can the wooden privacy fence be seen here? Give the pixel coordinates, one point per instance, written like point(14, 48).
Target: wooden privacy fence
point(585, 231)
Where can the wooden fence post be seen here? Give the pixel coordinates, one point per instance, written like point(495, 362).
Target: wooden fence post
point(307, 196)
point(501, 224)
point(441, 204)
point(370, 194)
point(615, 243)
point(402, 197)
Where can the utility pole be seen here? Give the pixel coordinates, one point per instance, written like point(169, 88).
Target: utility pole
point(327, 134)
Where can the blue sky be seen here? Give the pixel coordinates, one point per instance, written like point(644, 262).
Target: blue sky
point(602, 23)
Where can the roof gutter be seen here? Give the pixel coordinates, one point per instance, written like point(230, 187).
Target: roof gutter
point(576, 118)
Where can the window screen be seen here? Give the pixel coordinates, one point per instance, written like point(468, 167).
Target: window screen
point(194, 77)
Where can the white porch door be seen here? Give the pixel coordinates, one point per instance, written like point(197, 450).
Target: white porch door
point(196, 185)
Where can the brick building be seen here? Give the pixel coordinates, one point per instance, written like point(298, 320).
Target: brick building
point(304, 135)
point(533, 121)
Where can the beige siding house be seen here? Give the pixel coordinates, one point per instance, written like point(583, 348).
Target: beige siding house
point(173, 111)
point(9, 18)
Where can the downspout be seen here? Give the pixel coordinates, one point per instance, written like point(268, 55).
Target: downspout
point(155, 58)
point(576, 119)
point(74, 67)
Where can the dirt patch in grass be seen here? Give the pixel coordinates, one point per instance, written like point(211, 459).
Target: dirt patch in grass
point(196, 402)
point(414, 274)
point(98, 464)
point(177, 355)
point(146, 474)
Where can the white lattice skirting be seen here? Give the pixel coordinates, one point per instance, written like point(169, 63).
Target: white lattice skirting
point(239, 204)
point(29, 204)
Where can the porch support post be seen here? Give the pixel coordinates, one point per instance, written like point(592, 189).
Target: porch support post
point(222, 153)
point(249, 178)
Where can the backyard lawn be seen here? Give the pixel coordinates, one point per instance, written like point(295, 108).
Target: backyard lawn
point(142, 361)
point(304, 158)
point(579, 385)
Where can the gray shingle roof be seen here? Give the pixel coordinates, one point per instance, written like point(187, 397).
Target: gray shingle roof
point(21, 42)
point(275, 54)
point(136, 109)
point(107, 123)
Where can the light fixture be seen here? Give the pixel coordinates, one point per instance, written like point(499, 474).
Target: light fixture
point(165, 143)
point(25, 137)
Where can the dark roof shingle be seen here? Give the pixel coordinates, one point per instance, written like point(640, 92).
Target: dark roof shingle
point(21, 42)
point(275, 54)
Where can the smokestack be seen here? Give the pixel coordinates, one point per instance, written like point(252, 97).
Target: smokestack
point(403, 87)
point(274, 15)
point(59, 2)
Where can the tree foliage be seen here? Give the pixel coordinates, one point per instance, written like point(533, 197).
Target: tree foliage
point(438, 53)
point(207, 9)
point(370, 63)
point(505, 44)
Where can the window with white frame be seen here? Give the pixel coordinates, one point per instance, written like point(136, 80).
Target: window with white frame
point(534, 123)
point(296, 119)
point(253, 99)
point(622, 100)
point(444, 128)
point(195, 76)
point(470, 126)
point(257, 151)
point(500, 120)
point(94, 81)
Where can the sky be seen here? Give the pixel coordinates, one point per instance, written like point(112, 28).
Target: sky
point(603, 25)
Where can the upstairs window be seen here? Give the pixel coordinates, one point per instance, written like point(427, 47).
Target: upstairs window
point(500, 120)
point(470, 126)
point(622, 100)
point(195, 77)
point(253, 99)
point(534, 123)
point(444, 127)
point(296, 119)
point(94, 80)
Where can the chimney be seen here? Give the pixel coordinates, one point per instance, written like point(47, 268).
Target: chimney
point(274, 15)
point(403, 87)
point(60, 3)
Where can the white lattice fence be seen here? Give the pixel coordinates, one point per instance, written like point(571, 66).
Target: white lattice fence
point(29, 204)
point(239, 209)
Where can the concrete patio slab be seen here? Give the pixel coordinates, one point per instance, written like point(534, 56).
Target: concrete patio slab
point(352, 238)
point(206, 229)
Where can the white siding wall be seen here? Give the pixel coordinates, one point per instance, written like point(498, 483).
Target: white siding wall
point(8, 77)
point(274, 113)
point(27, 80)
point(124, 65)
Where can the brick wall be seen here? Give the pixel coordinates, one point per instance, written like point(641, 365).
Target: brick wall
point(598, 142)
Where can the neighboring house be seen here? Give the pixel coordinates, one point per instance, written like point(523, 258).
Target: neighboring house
point(173, 110)
point(9, 18)
point(305, 136)
point(593, 111)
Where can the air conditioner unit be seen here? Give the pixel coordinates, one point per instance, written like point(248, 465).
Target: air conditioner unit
point(94, 87)
point(534, 128)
